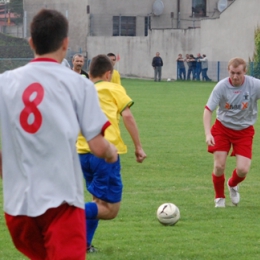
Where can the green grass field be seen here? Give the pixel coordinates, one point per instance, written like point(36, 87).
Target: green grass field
point(178, 170)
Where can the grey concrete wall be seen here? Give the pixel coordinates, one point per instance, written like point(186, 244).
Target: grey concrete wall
point(136, 53)
point(76, 14)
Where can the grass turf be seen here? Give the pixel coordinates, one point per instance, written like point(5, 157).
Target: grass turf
point(178, 170)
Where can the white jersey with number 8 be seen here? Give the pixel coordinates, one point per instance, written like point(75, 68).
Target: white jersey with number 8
point(43, 106)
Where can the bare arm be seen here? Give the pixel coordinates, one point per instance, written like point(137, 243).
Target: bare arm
point(132, 129)
point(207, 116)
point(1, 174)
point(100, 147)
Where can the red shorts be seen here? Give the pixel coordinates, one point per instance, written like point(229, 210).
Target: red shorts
point(240, 140)
point(59, 233)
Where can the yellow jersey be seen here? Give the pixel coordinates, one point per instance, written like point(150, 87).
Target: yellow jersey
point(113, 100)
point(116, 77)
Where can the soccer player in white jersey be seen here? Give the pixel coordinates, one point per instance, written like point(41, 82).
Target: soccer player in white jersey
point(43, 107)
point(236, 98)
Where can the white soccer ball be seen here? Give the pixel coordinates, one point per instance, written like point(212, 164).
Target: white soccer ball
point(168, 79)
point(168, 214)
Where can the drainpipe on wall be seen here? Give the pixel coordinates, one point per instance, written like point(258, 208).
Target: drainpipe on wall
point(178, 14)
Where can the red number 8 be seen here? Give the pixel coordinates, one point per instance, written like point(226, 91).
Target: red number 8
point(31, 108)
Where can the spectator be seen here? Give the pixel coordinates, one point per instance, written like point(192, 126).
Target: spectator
point(181, 70)
point(198, 66)
point(194, 66)
point(157, 64)
point(204, 68)
point(78, 63)
point(191, 62)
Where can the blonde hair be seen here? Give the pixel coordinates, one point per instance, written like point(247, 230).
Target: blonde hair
point(235, 62)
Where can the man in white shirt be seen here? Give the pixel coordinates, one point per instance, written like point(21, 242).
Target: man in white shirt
point(43, 107)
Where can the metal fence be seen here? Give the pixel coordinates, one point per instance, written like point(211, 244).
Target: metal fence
point(217, 70)
point(12, 63)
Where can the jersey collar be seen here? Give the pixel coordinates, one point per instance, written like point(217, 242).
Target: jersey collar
point(44, 59)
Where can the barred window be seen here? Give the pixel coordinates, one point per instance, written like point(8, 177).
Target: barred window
point(199, 8)
point(124, 26)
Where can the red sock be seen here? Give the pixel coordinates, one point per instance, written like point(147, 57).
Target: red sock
point(235, 179)
point(219, 185)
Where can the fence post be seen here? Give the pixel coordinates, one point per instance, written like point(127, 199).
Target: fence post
point(252, 69)
point(218, 72)
point(25, 24)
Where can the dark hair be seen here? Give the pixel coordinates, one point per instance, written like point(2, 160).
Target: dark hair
point(48, 30)
point(77, 55)
point(100, 65)
point(110, 54)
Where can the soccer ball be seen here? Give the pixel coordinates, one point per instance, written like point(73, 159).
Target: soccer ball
point(168, 214)
point(168, 79)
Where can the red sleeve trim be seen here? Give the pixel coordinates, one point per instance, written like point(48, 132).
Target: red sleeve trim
point(44, 59)
point(207, 108)
point(105, 126)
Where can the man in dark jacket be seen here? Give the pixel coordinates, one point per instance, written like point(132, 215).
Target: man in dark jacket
point(157, 64)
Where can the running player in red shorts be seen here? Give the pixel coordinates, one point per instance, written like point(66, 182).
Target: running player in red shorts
point(236, 98)
point(43, 106)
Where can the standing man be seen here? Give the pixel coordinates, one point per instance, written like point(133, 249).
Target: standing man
point(42, 178)
point(181, 67)
point(78, 63)
point(198, 66)
point(189, 63)
point(103, 180)
point(157, 64)
point(204, 68)
point(236, 98)
point(115, 76)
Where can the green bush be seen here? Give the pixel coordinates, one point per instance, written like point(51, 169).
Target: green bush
point(254, 64)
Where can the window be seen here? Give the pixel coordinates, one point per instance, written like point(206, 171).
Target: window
point(199, 8)
point(147, 25)
point(124, 26)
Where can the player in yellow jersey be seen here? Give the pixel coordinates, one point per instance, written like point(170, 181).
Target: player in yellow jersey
point(115, 75)
point(103, 180)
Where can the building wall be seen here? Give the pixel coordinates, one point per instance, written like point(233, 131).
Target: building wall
point(219, 36)
point(232, 34)
point(102, 12)
point(74, 10)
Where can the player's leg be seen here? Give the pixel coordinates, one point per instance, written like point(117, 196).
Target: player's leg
point(102, 210)
point(242, 149)
point(26, 236)
point(220, 151)
point(104, 183)
point(218, 177)
point(238, 175)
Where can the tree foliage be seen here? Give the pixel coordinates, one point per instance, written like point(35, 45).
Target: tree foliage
point(254, 64)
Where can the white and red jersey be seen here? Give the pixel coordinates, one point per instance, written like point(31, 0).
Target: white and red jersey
point(43, 107)
point(236, 106)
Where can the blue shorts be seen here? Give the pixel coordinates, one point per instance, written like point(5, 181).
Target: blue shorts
point(103, 180)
